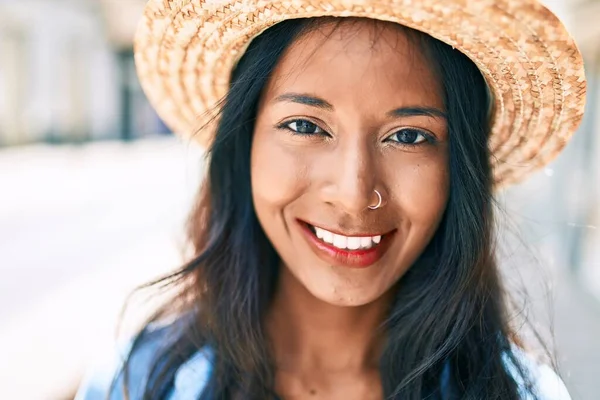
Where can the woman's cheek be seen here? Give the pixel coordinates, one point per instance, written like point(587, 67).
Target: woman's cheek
point(275, 172)
point(422, 190)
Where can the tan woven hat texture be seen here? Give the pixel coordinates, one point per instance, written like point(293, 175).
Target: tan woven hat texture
point(185, 51)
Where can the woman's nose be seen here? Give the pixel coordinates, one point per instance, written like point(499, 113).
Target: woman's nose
point(352, 180)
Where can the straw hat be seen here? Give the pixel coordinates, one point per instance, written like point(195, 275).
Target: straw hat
point(185, 51)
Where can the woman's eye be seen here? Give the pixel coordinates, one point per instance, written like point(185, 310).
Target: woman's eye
point(409, 136)
point(303, 127)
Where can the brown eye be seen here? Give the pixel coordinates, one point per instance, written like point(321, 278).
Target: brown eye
point(303, 127)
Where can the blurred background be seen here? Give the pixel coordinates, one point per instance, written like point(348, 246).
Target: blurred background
point(95, 189)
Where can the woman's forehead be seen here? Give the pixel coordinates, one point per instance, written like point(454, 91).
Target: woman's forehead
point(369, 57)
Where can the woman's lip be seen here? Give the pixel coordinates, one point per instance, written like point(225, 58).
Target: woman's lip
point(362, 234)
point(345, 258)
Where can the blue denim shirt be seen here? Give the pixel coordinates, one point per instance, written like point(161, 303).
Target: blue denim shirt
point(192, 376)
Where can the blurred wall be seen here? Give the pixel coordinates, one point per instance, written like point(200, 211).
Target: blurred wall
point(575, 189)
point(67, 72)
point(57, 74)
point(586, 202)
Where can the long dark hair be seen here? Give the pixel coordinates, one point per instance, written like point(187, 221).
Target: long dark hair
point(449, 315)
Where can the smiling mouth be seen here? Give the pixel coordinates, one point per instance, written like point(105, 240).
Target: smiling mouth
point(358, 251)
point(345, 242)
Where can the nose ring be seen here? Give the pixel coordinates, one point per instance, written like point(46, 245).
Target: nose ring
point(379, 201)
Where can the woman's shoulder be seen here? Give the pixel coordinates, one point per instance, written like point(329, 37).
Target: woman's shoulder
point(105, 379)
point(533, 376)
point(546, 383)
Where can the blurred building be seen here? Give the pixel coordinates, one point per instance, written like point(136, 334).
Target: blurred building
point(66, 72)
point(576, 186)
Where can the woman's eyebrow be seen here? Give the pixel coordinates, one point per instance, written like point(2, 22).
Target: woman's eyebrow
point(418, 111)
point(314, 101)
point(305, 99)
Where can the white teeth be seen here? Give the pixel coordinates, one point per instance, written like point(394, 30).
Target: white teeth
point(365, 242)
point(347, 242)
point(340, 241)
point(353, 243)
point(327, 236)
point(319, 232)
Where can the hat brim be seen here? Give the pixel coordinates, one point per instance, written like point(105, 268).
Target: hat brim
point(185, 51)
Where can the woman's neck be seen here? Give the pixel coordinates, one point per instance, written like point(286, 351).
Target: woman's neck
point(310, 335)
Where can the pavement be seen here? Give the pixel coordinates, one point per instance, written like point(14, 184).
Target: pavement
point(81, 226)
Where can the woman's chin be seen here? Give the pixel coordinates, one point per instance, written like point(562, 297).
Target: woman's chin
point(340, 296)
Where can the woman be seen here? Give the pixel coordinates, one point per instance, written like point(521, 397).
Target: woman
point(343, 238)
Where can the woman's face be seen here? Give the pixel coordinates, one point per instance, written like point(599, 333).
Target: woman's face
point(350, 109)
